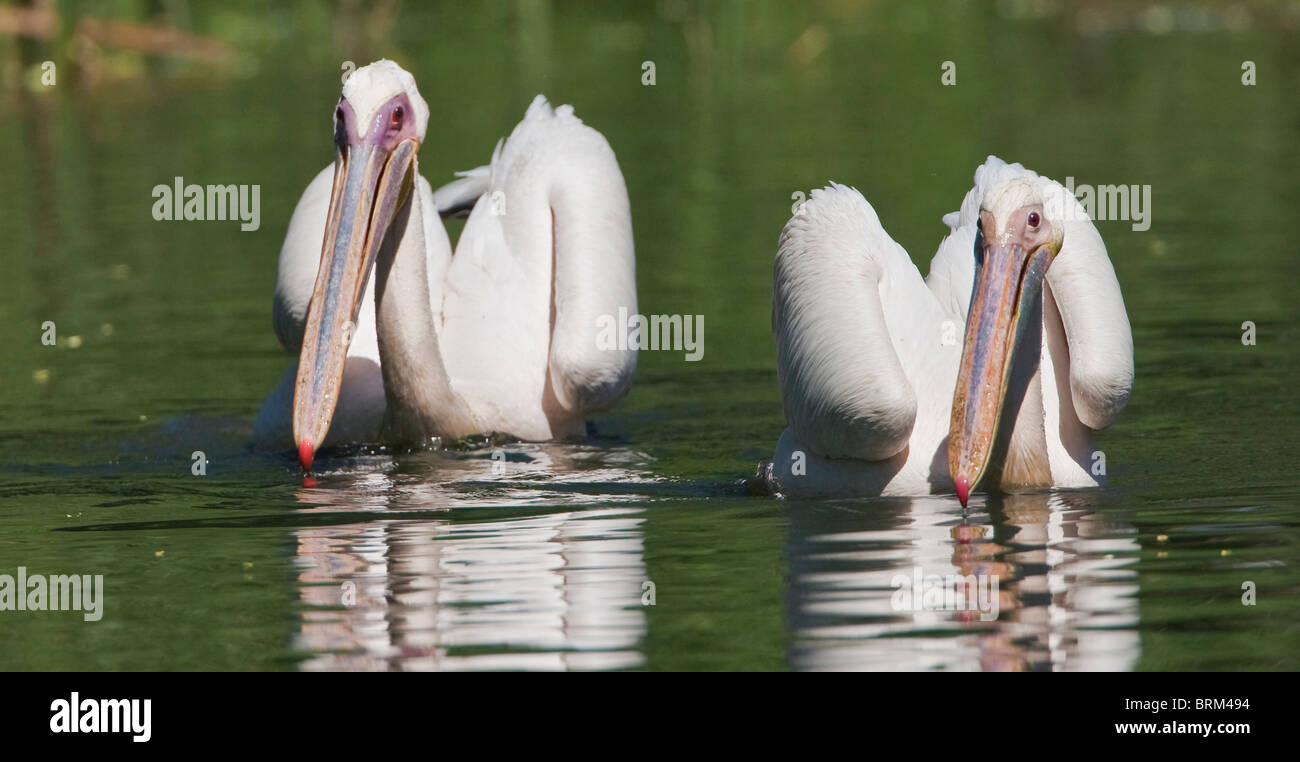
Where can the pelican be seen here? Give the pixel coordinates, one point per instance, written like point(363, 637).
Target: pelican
point(881, 397)
point(501, 337)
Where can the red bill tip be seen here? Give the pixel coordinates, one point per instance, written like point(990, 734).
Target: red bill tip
point(963, 489)
point(305, 454)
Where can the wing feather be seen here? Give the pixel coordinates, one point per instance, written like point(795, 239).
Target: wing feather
point(845, 390)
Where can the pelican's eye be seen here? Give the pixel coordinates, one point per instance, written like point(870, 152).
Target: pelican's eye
point(1034, 219)
point(340, 129)
point(396, 121)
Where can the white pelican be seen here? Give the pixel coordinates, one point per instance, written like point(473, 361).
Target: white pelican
point(880, 396)
point(499, 338)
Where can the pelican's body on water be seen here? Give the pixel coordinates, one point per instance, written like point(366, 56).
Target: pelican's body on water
point(500, 337)
point(890, 390)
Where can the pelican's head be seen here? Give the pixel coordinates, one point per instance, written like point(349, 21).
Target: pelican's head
point(379, 124)
point(1019, 233)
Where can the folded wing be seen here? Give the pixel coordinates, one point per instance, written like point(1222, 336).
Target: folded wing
point(843, 292)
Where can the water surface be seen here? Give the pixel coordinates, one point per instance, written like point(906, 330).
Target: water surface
point(549, 558)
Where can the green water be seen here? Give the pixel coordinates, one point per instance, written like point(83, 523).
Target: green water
point(457, 561)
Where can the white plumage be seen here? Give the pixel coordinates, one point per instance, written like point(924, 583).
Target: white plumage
point(869, 353)
point(504, 332)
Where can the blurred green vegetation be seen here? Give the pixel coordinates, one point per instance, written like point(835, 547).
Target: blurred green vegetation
point(752, 103)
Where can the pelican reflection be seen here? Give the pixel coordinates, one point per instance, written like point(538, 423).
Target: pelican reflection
point(1063, 573)
point(554, 582)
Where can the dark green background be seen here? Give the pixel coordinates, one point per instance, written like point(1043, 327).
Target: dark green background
point(753, 102)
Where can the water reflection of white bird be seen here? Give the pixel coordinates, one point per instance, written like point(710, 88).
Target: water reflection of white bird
point(882, 398)
point(499, 338)
point(556, 581)
point(1067, 585)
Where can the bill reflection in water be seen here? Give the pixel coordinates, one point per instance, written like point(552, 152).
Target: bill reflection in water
point(1066, 585)
point(558, 590)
